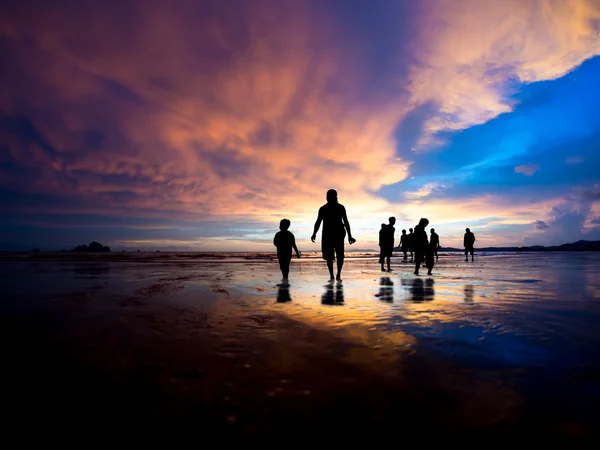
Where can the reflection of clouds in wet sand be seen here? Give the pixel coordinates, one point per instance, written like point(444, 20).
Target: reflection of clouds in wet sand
point(333, 296)
point(421, 291)
point(386, 291)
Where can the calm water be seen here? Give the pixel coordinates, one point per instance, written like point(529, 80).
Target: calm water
point(182, 349)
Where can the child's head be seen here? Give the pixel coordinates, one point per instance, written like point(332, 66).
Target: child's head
point(403, 231)
point(410, 229)
point(432, 230)
point(284, 224)
point(392, 220)
point(382, 226)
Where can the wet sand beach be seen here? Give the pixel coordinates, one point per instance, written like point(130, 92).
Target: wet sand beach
point(163, 350)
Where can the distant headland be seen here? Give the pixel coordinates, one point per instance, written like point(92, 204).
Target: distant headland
point(579, 246)
point(93, 247)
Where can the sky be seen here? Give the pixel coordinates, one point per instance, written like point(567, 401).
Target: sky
point(199, 125)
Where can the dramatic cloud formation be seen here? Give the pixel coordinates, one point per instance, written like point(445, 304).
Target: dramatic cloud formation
point(203, 123)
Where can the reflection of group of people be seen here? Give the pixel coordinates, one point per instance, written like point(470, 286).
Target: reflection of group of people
point(335, 223)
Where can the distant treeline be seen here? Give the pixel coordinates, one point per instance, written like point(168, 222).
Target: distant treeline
point(93, 247)
point(579, 246)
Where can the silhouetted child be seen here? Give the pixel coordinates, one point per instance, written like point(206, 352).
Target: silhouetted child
point(404, 243)
point(285, 241)
point(386, 242)
point(435, 242)
point(420, 243)
point(429, 256)
point(410, 240)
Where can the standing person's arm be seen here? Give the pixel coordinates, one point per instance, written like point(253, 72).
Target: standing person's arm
point(294, 246)
point(351, 240)
point(317, 225)
point(275, 240)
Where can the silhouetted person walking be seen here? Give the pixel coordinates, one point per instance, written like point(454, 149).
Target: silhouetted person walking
point(469, 242)
point(335, 225)
point(435, 242)
point(410, 237)
point(386, 242)
point(285, 241)
point(420, 243)
point(404, 243)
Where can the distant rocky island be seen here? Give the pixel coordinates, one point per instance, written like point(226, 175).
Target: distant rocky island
point(579, 246)
point(93, 247)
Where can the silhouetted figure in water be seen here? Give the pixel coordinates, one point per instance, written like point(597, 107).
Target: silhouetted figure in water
point(435, 242)
point(410, 237)
point(335, 225)
point(333, 296)
point(469, 242)
point(404, 243)
point(381, 238)
point(386, 242)
point(430, 256)
point(285, 241)
point(386, 291)
point(420, 243)
point(283, 293)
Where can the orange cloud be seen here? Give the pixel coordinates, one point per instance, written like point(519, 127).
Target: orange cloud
point(471, 50)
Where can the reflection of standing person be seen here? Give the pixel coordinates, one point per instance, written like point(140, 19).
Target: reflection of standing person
point(285, 241)
point(335, 225)
point(409, 240)
point(469, 242)
point(386, 242)
point(404, 243)
point(435, 242)
point(420, 243)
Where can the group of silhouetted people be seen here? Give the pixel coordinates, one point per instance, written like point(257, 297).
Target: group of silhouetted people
point(335, 227)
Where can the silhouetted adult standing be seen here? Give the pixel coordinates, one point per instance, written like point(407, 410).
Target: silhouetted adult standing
point(469, 242)
point(404, 243)
point(386, 242)
point(420, 243)
point(434, 243)
point(335, 225)
point(410, 238)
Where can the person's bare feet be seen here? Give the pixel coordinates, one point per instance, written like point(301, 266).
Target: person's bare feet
point(338, 279)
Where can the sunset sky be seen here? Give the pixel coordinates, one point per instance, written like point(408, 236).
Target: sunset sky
point(198, 125)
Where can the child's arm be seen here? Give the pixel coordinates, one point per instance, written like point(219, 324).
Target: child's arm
point(294, 246)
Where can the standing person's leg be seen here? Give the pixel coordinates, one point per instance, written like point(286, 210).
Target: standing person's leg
point(405, 252)
point(285, 266)
point(389, 259)
point(328, 254)
point(381, 257)
point(339, 253)
point(330, 267)
point(466, 253)
point(412, 256)
point(418, 261)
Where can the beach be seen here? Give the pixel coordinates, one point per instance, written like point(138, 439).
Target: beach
point(181, 349)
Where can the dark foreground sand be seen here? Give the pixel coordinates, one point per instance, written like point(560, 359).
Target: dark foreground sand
point(213, 353)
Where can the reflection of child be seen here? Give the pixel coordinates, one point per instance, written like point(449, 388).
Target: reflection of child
point(285, 241)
